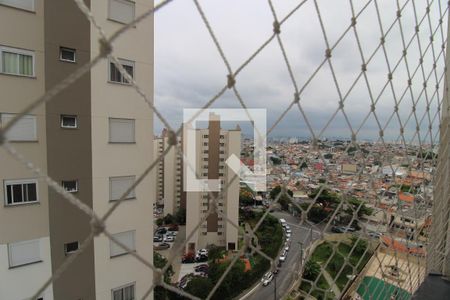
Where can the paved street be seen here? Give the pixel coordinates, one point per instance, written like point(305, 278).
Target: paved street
point(285, 277)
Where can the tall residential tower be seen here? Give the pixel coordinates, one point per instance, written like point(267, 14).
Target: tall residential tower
point(94, 138)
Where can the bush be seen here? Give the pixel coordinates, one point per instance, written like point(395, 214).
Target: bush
point(312, 270)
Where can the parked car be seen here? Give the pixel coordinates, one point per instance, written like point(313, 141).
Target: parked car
point(161, 246)
point(157, 238)
point(201, 258)
point(173, 227)
point(188, 258)
point(342, 229)
point(201, 268)
point(286, 247)
point(169, 238)
point(283, 256)
point(288, 231)
point(160, 231)
point(185, 280)
point(267, 278)
point(288, 235)
point(275, 272)
point(202, 252)
point(375, 235)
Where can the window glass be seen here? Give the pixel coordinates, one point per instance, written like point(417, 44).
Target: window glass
point(22, 4)
point(16, 63)
point(121, 11)
point(67, 54)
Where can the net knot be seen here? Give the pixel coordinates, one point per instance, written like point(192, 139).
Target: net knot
point(381, 133)
point(328, 53)
point(390, 76)
point(296, 97)
point(105, 47)
point(364, 67)
point(341, 104)
point(172, 138)
point(97, 226)
point(230, 81)
point(353, 20)
point(399, 14)
point(276, 27)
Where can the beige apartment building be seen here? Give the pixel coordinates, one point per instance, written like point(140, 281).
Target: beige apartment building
point(169, 192)
point(213, 146)
point(94, 138)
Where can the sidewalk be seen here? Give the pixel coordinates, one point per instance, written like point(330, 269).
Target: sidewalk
point(331, 283)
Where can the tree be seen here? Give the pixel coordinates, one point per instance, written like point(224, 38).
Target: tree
point(361, 245)
point(245, 197)
point(169, 219)
point(275, 160)
point(326, 197)
point(180, 216)
point(199, 286)
point(312, 270)
point(160, 261)
point(355, 203)
point(303, 166)
point(159, 222)
point(317, 214)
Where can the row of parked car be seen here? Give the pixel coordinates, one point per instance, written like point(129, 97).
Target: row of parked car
point(200, 270)
point(190, 257)
point(163, 236)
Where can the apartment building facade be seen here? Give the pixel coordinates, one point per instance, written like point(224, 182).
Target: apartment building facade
point(169, 191)
point(213, 146)
point(94, 138)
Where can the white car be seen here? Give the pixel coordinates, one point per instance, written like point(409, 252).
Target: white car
point(286, 247)
point(288, 235)
point(202, 252)
point(267, 278)
point(287, 227)
point(283, 256)
point(288, 231)
point(169, 238)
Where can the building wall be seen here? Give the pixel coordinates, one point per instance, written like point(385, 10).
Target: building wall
point(24, 30)
point(22, 282)
point(122, 101)
point(210, 163)
point(69, 150)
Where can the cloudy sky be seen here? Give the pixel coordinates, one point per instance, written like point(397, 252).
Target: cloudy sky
point(189, 70)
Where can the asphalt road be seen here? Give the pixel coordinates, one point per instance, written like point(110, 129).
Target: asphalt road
point(300, 238)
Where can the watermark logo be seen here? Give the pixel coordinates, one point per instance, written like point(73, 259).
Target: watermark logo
point(197, 155)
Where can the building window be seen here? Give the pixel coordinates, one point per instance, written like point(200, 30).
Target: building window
point(219, 233)
point(116, 76)
point(205, 144)
point(16, 61)
point(21, 4)
point(24, 253)
point(71, 247)
point(121, 11)
point(127, 238)
point(123, 293)
point(121, 130)
point(24, 130)
point(69, 121)
point(67, 54)
point(119, 185)
point(20, 192)
point(70, 186)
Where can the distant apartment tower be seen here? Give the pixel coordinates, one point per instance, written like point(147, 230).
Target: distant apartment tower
point(169, 190)
point(213, 146)
point(93, 138)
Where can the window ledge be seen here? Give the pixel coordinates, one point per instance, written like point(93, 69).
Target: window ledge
point(122, 254)
point(126, 199)
point(22, 204)
point(119, 83)
point(27, 264)
point(18, 75)
point(119, 143)
point(119, 22)
point(22, 142)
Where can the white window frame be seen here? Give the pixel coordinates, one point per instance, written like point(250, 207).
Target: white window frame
point(22, 182)
point(34, 133)
point(122, 251)
point(131, 195)
point(123, 62)
point(70, 50)
point(9, 4)
point(127, 2)
point(70, 252)
point(70, 191)
point(134, 131)
point(69, 116)
point(37, 260)
point(133, 284)
point(17, 51)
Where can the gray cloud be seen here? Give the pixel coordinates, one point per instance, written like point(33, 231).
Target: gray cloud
point(189, 69)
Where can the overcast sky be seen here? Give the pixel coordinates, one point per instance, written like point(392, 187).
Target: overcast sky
point(189, 70)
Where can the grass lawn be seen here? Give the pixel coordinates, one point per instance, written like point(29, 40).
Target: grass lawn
point(337, 262)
